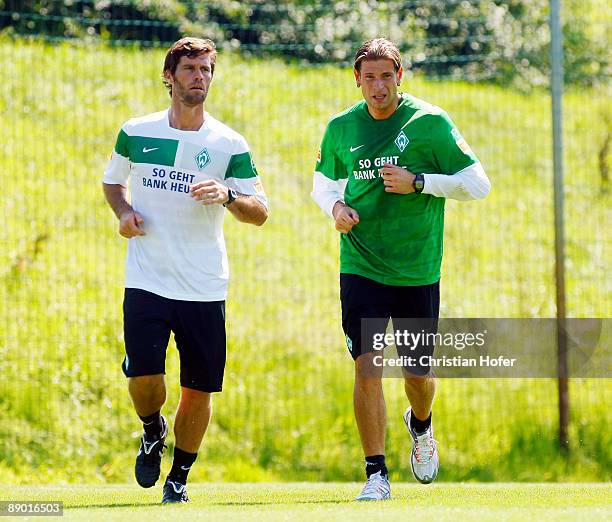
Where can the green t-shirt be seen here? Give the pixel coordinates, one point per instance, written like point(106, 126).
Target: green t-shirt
point(398, 240)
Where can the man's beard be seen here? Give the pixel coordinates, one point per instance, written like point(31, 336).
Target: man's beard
point(192, 98)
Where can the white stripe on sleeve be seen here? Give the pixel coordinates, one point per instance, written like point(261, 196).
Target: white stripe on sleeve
point(467, 184)
point(326, 192)
point(249, 187)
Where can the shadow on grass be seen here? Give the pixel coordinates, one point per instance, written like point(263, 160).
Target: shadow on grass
point(285, 502)
point(100, 506)
point(245, 503)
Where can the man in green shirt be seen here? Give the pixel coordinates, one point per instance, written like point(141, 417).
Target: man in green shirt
point(385, 167)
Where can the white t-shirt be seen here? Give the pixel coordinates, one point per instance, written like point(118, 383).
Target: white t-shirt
point(183, 255)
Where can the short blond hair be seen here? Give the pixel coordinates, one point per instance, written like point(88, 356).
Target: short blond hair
point(378, 49)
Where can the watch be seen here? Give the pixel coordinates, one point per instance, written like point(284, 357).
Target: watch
point(231, 197)
point(418, 183)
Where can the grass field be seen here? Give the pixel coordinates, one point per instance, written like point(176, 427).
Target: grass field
point(315, 501)
point(285, 413)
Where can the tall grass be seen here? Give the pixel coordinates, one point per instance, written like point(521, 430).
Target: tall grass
point(286, 412)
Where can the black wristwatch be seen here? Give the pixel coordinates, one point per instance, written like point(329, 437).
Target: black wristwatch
point(418, 183)
point(231, 197)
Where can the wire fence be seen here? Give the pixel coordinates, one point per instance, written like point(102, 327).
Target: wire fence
point(75, 71)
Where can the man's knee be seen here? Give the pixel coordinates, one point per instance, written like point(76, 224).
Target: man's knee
point(365, 380)
point(196, 398)
point(419, 382)
point(367, 372)
point(148, 386)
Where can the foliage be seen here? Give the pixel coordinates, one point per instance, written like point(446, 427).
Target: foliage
point(506, 41)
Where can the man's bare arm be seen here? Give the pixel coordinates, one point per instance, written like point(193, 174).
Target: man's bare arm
point(130, 222)
point(247, 209)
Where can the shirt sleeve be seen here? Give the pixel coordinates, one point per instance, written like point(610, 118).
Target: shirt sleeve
point(467, 184)
point(241, 174)
point(328, 162)
point(118, 169)
point(450, 150)
point(330, 176)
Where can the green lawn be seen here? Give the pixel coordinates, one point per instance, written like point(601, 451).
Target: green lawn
point(286, 410)
point(332, 501)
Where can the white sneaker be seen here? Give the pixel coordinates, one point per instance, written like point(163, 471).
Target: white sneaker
point(424, 459)
point(377, 487)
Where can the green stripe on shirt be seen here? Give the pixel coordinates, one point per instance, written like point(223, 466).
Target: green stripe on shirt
point(241, 166)
point(159, 151)
point(121, 146)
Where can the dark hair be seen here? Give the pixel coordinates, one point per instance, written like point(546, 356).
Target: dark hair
point(190, 47)
point(378, 49)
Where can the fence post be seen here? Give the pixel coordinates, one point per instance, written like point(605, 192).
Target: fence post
point(556, 86)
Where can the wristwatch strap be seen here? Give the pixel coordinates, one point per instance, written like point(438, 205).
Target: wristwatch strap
point(418, 183)
point(231, 197)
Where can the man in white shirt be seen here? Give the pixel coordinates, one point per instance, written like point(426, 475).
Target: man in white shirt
point(184, 169)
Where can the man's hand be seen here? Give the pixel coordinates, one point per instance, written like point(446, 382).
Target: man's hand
point(130, 224)
point(397, 179)
point(209, 192)
point(345, 216)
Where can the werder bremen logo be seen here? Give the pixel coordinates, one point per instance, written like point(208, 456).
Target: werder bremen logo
point(202, 159)
point(401, 141)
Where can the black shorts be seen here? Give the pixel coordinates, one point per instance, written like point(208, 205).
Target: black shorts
point(363, 298)
point(199, 332)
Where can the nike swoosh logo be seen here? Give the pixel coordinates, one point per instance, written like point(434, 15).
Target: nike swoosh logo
point(148, 446)
point(353, 149)
point(185, 468)
point(178, 488)
point(145, 150)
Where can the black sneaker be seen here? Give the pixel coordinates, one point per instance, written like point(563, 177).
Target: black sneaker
point(149, 457)
point(174, 492)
